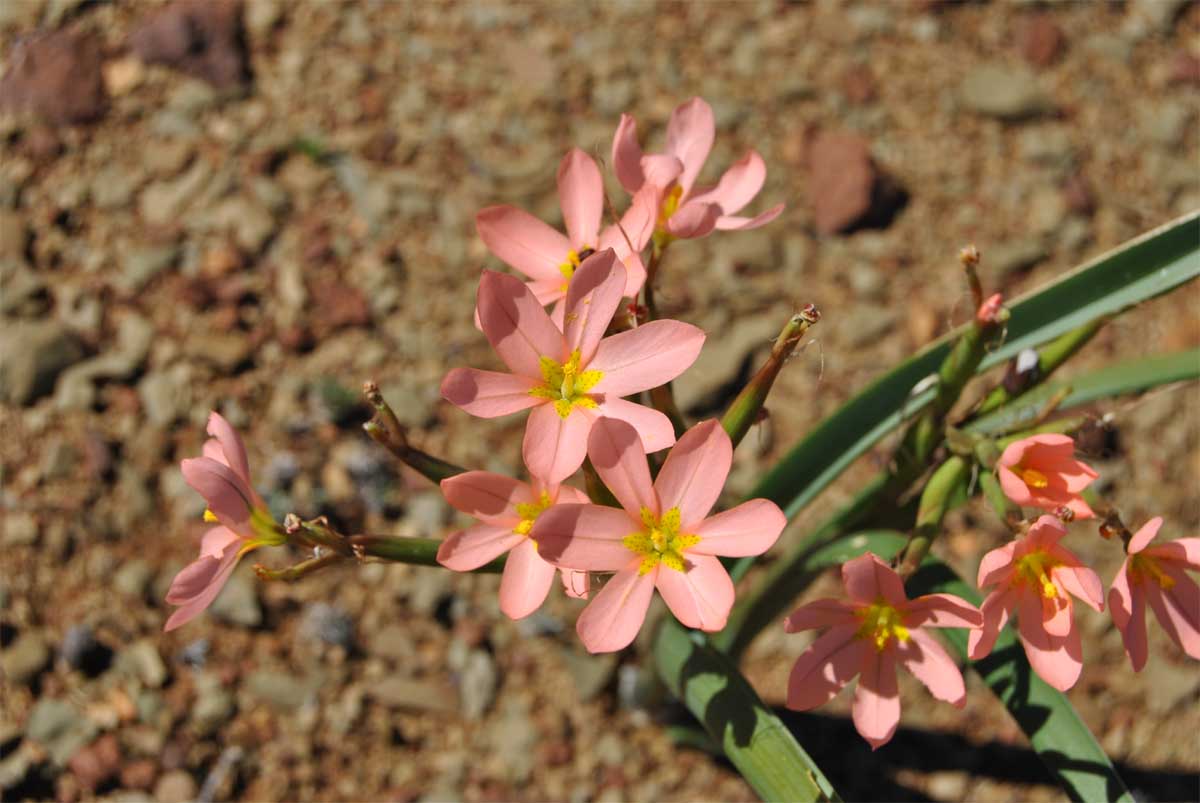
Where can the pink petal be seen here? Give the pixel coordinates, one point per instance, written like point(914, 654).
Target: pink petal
point(942, 610)
point(225, 492)
point(581, 196)
point(876, 710)
point(471, 548)
point(576, 584)
point(584, 537)
point(636, 226)
point(1047, 531)
point(821, 613)
point(1147, 533)
point(737, 223)
point(1083, 583)
point(928, 661)
point(516, 325)
point(1058, 615)
point(569, 495)
point(867, 578)
point(996, 565)
point(653, 427)
point(486, 496)
point(1013, 486)
point(216, 541)
point(749, 529)
point(612, 619)
point(995, 611)
point(1013, 453)
point(197, 586)
point(526, 581)
point(660, 171)
point(1127, 605)
point(1178, 609)
point(738, 186)
point(1184, 551)
point(693, 220)
point(690, 134)
point(554, 446)
point(635, 274)
point(694, 473)
point(231, 446)
point(1058, 660)
point(825, 668)
point(616, 452)
point(701, 596)
point(627, 155)
point(646, 357)
point(522, 241)
point(592, 300)
point(546, 291)
point(489, 394)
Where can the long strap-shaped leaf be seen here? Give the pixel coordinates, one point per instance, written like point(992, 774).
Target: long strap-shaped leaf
point(1141, 269)
point(1056, 733)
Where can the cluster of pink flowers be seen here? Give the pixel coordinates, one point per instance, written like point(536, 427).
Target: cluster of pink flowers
point(1033, 576)
point(575, 379)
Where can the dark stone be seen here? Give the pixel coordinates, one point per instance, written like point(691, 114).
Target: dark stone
point(56, 76)
point(203, 38)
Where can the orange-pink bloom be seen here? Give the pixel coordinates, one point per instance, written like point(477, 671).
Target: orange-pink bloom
point(222, 477)
point(550, 259)
point(683, 209)
point(1035, 576)
point(1041, 471)
point(878, 629)
point(662, 536)
point(1158, 575)
point(572, 377)
point(507, 510)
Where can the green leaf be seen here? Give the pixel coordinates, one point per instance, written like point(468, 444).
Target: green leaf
point(1056, 733)
point(1131, 376)
point(755, 740)
point(1141, 269)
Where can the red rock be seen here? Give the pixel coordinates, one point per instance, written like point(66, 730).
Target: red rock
point(139, 774)
point(1185, 68)
point(846, 190)
point(96, 763)
point(1041, 40)
point(56, 76)
point(339, 305)
point(858, 83)
point(204, 38)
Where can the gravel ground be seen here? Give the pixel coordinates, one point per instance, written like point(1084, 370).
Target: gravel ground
point(255, 208)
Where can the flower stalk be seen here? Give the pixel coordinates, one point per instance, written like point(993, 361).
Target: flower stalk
point(944, 484)
point(386, 430)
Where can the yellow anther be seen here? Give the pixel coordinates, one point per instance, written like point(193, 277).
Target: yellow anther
point(881, 623)
point(660, 541)
point(529, 511)
point(1033, 478)
point(1036, 569)
point(565, 385)
point(1145, 566)
point(210, 517)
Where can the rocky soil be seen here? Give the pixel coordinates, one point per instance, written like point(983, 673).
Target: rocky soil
point(253, 208)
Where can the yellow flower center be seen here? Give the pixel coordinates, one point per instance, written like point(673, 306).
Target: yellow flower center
point(266, 531)
point(881, 623)
point(573, 261)
point(565, 385)
point(1035, 569)
point(1032, 477)
point(660, 541)
point(529, 511)
point(1145, 567)
point(670, 206)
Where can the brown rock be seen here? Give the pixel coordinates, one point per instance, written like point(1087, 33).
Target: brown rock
point(203, 38)
point(846, 190)
point(96, 763)
point(56, 76)
point(1078, 195)
point(1185, 68)
point(339, 305)
point(176, 786)
point(139, 774)
point(858, 83)
point(1041, 40)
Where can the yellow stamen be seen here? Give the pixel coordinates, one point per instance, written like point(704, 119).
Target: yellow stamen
point(1032, 477)
point(529, 511)
point(565, 385)
point(1143, 567)
point(660, 541)
point(1035, 569)
point(881, 623)
point(209, 516)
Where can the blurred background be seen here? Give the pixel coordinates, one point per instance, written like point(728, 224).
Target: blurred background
point(255, 207)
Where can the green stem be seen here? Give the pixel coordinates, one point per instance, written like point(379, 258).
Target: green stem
point(386, 430)
point(1004, 507)
point(418, 551)
point(944, 483)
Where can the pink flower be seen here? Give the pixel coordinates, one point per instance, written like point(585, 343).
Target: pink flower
point(508, 509)
point(1041, 471)
point(1034, 576)
point(222, 477)
point(550, 259)
point(571, 378)
point(989, 311)
point(868, 636)
point(662, 537)
point(1157, 574)
point(684, 210)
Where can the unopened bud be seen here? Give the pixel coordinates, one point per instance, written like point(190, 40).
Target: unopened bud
point(1022, 372)
point(1064, 514)
point(969, 256)
point(991, 312)
point(291, 524)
